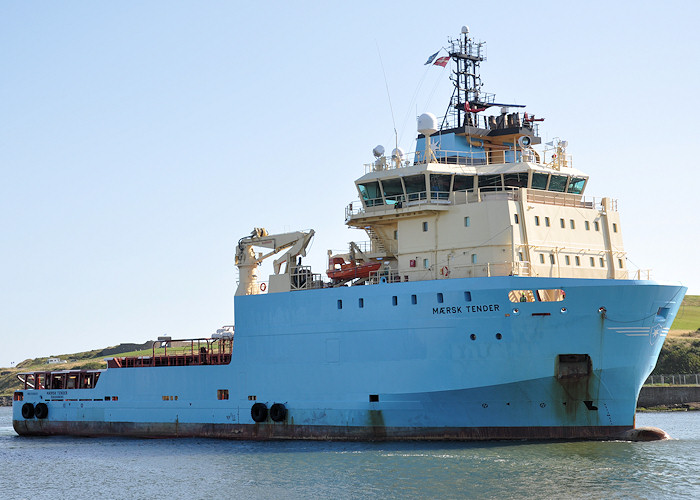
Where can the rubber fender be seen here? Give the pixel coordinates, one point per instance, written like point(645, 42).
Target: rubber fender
point(41, 410)
point(28, 410)
point(259, 412)
point(278, 412)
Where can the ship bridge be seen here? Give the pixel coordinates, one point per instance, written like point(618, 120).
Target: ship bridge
point(507, 211)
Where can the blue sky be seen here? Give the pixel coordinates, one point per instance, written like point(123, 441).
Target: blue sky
point(140, 140)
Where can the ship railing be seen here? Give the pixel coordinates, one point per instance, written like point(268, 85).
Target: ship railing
point(385, 275)
point(677, 379)
point(63, 379)
point(471, 158)
point(377, 205)
point(182, 352)
point(642, 275)
point(568, 200)
point(301, 278)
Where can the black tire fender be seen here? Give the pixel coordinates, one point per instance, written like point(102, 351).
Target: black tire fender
point(41, 410)
point(259, 412)
point(28, 410)
point(278, 412)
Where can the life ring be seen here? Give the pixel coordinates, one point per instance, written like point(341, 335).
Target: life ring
point(445, 271)
point(263, 287)
point(258, 412)
point(278, 412)
point(28, 410)
point(41, 410)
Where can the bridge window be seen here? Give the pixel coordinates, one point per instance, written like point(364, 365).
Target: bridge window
point(463, 183)
point(576, 185)
point(440, 186)
point(415, 187)
point(558, 183)
point(490, 182)
point(393, 190)
point(539, 181)
point(518, 179)
point(370, 193)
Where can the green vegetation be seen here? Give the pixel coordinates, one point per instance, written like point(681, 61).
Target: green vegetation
point(679, 356)
point(688, 317)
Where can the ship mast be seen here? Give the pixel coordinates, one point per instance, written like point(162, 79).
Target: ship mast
point(468, 54)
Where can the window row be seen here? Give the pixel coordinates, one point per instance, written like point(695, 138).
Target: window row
point(567, 260)
point(572, 223)
point(439, 186)
point(439, 297)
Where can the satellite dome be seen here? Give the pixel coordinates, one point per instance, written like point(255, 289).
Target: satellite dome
point(397, 153)
point(427, 124)
point(465, 29)
point(378, 151)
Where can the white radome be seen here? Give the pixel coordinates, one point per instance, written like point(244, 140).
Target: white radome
point(427, 124)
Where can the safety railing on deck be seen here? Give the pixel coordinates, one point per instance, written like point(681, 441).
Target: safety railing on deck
point(476, 157)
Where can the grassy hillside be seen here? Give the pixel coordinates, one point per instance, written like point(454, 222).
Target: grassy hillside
point(688, 317)
point(680, 354)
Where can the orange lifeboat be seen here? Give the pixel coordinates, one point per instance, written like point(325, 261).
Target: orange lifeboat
point(350, 270)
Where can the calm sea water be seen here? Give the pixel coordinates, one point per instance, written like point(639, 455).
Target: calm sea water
point(76, 468)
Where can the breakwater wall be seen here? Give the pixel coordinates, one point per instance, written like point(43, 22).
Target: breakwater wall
point(667, 395)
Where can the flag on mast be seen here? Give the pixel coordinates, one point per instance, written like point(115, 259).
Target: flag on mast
point(441, 61)
point(431, 58)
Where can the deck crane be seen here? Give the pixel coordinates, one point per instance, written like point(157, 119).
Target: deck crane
point(248, 260)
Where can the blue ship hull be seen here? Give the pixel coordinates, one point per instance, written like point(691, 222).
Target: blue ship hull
point(441, 359)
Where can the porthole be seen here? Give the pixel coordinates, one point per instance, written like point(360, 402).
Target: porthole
point(499, 336)
point(472, 336)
